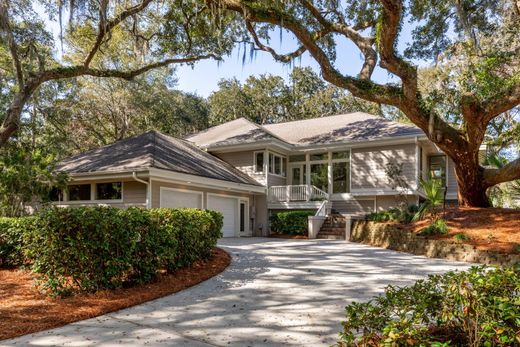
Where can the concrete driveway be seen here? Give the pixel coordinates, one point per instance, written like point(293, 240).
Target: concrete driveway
point(275, 293)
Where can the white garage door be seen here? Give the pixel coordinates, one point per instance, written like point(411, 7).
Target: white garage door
point(177, 199)
point(228, 207)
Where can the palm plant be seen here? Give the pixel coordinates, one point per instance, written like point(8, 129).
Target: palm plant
point(433, 191)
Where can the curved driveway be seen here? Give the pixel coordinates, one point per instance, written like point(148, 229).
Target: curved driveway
point(275, 293)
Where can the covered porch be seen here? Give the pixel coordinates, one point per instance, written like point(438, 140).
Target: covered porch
point(301, 196)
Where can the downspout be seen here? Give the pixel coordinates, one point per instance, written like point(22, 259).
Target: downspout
point(148, 202)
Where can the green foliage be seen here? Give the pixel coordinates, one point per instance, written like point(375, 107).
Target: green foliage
point(433, 191)
point(92, 248)
point(26, 177)
point(291, 223)
point(461, 237)
point(516, 248)
point(401, 215)
point(437, 227)
point(11, 240)
point(478, 307)
point(270, 99)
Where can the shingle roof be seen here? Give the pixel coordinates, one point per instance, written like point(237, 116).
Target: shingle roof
point(154, 150)
point(350, 127)
point(356, 126)
point(234, 132)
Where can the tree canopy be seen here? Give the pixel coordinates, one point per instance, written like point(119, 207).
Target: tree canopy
point(471, 46)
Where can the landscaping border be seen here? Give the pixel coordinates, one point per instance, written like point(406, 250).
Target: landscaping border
point(388, 236)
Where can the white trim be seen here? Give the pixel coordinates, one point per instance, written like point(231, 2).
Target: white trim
point(254, 162)
point(373, 192)
point(204, 182)
point(161, 189)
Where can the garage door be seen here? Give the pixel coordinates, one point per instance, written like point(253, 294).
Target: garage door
point(228, 207)
point(177, 199)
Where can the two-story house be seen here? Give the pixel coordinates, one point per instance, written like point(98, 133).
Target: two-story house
point(247, 171)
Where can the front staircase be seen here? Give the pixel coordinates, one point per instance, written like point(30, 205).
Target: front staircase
point(333, 228)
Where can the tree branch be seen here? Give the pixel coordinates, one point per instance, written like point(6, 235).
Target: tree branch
point(508, 172)
point(497, 105)
point(13, 47)
point(105, 27)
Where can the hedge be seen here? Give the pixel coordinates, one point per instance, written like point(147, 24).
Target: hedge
point(93, 248)
point(478, 307)
point(11, 240)
point(292, 222)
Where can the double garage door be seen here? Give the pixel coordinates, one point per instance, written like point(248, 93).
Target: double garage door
point(228, 206)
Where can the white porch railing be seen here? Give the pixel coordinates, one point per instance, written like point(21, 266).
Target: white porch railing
point(302, 192)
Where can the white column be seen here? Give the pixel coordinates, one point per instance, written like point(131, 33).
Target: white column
point(417, 163)
point(330, 173)
point(308, 175)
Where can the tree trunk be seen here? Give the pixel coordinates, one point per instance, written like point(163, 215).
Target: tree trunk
point(470, 179)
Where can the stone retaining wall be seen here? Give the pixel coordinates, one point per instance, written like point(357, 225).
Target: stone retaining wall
point(388, 236)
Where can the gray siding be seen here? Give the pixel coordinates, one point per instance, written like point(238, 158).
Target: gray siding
point(368, 165)
point(275, 180)
point(451, 180)
point(386, 202)
point(354, 206)
point(244, 161)
point(134, 192)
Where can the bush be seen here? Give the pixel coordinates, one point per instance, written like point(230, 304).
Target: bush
point(479, 307)
point(437, 227)
point(291, 223)
point(11, 240)
point(92, 248)
point(394, 215)
point(461, 237)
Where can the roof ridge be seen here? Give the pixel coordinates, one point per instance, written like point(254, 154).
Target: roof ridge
point(322, 117)
point(214, 127)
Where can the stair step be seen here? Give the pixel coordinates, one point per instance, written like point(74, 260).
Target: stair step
point(330, 237)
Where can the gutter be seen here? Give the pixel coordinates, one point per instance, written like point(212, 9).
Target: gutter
point(148, 190)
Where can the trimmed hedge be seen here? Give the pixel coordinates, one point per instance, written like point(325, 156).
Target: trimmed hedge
point(478, 307)
point(11, 240)
point(292, 222)
point(93, 248)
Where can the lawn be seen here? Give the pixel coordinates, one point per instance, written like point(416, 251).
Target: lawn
point(494, 229)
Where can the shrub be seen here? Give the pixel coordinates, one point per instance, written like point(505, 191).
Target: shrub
point(461, 237)
point(11, 240)
point(292, 223)
point(92, 248)
point(437, 227)
point(394, 215)
point(479, 307)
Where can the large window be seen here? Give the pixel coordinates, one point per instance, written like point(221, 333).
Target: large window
point(259, 161)
point(109, 191)
point(438, 168)
point(277, 164)
point(319, 176)
point(341, 177)
point(341, 172)
point(79, 192)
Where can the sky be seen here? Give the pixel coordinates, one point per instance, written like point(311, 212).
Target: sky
point(203, 77)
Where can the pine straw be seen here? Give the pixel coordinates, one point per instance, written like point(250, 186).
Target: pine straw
point(493, 229)
point(24, 310)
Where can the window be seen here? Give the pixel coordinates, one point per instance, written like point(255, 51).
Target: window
point(295, 158)
point(109, 191)
point(56, 194)
point(277, 164)
point(438, 168)
point(341, 177)
point(319, 156)
point(341, 155)
point(79, 192)
point(259, 161)
point(319, 176)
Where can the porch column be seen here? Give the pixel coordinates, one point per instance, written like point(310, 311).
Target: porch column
point(308, 175)
point(330, 174)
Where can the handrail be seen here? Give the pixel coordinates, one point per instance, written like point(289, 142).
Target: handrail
point(301, 192)
point(322, 210)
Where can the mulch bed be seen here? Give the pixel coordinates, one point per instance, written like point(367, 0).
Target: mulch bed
point(24, 310)
point(292, 237)
point(492, 229)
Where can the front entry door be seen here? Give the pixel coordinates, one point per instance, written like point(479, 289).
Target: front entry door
point(297, 174)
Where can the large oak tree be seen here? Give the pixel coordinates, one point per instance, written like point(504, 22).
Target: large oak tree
point(481, 36)
point(141, 34)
